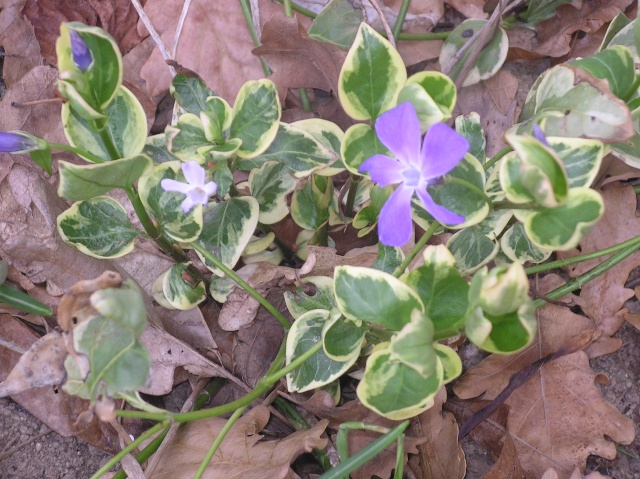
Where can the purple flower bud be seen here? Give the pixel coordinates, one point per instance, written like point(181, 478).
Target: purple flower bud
point(80, 51)
point(16, 143)
point(538, 134)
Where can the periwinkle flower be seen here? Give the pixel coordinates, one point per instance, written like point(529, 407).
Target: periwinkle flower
point(539, 135)
point(197, 191)
point(413, 169)
point(17, 142)
point(80, 51)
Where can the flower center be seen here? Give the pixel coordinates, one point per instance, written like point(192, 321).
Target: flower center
point(198, 194)
point(411, 176)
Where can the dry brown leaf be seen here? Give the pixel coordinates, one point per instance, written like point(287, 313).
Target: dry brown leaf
point(469, 8)
point(241, 454)
point(21, 47)
point(507, 466)
point(56, 409)
point(502, 88)
point(603, 298)
point(559, 417)
point(552, 474)
point(613, 169)
point(553, 37)
point(441, 457)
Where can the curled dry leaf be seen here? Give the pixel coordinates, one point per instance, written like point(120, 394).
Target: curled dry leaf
point(558, 417)
point(241, 454)
point(507, 466)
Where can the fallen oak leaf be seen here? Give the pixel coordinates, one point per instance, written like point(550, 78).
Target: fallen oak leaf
point(241, 454)
point(507, 466)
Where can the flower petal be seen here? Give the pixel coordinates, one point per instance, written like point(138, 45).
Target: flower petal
point(399, 130)
point(175, 186)
point(383, 170)
point(394, 226)
point(193, 173)
point(187, 204)
point(439, 212)
point(442, 150)
point(210, 188)
point(80, 51)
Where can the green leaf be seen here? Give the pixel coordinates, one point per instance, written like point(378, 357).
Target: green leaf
point(86, 181)
point(342, 339)
point(432, 94)
point(463, 192)
point(187, 139)
point(469, 126)
point(504, 334)
point(360, 143)
point(427, 109)
point(99, 84)
point(562, 228)
point(270, 184)
point(223, 177)
point(296, 149)
point(568, 102)
point(156, 149)
point(628, 151)
point(472, 249)
point(4, 270)
point(371, 77)
point(488, 62)
point(178, 292)
point(311, 205)
point(99, 227)
point(42, 158)
point(619, 22)
point(450, 360)
point(500, 291)
point(395, 390)
point(256, 116)
point(536, 174)
point(328, 134)
point(518, 247)
point(190, 93)
point(374, 296)
point(319, 369)
point(22, 301)
point(216, 119)
point(126, 124)
point(388, 259)
point(227, 230)
point(337, 23)
point(317, 295)
point(615, 64)
point(412, 345)
point(442, 290)
point(166, 205)
point(581, 158)
point(539, 10)
point(118, 361)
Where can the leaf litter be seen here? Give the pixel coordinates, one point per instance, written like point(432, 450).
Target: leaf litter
point(546, 411)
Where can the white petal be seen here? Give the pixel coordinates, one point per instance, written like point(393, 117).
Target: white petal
point(194, 173)
point(175, 186)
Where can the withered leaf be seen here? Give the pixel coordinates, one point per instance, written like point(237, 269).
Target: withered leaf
point(507, 466)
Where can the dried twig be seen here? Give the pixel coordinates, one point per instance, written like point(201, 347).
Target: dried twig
point(385, 24)
point(154, 34)
point(183, 16)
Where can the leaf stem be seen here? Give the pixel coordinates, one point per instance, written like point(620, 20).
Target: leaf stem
point(583, 257)
point(118, 457)
point(402, 13)
point(472, 187)
point(209, 256)
point(496, 157)
point(85, 154)
point(146, 453)
point(416, 249)
point(248, 17)
point(351, 195)
point(287, 8)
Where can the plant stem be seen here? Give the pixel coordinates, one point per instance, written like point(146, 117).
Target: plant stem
point(496, 157)
point(218, 440)
point(351, 195)
point(402, 13)
point(146, 453)
point(473, 188)
point(118, 457)
point(287, 8)
point(246, 11)
point(578, 282)
point(632, 89)
point(416, 249)
point(583, 257)
point(107, 141)
point(85, 154)
point(210, 257)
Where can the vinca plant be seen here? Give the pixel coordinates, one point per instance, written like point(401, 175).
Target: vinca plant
point(409, 178)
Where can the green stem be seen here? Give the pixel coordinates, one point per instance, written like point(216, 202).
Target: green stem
point(85, 154)
point(287, 8)
point(578, 282)
point(473, 188)
point(496, 157)
point(218, 440)
point(583, 257)
point(248, 18)
point(304, 98)
point(107, 141)
point(118, 457)
point(416, 249)
point(351, 195)
point(210, 257)
point(508, 205)
point(402, 13)
point(632, 89)
point(146, 453)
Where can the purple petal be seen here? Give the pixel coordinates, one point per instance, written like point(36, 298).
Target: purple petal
point(80, 51)
point(394, 226)
point(193, 173)
point(439, 212)
point(175, 186)
point(210, 188)
point(538, 134)
point(15, 142)
point(399, 130)
point(187, 204)
point(442, 150)
point(383, 170)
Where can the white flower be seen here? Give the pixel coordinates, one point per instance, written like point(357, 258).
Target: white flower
point(197, 191)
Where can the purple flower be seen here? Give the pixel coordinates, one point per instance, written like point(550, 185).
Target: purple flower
point(413, 169)
point(80, 51)
point(197, 191)
point(538, 134)
point(17, 142)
